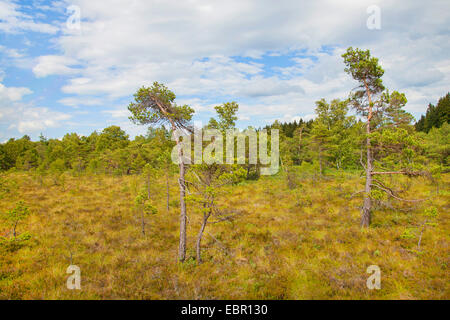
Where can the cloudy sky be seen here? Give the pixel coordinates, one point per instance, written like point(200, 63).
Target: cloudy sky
point(62, 74)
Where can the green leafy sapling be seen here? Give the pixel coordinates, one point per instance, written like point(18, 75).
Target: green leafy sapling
point(14, 216)
point(430, 220)
point(430, 215)
point(143, 205)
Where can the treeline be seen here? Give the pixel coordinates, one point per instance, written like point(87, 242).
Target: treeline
point(435, 116)
point(333, 140)
point(288, 129)
point(110, 152)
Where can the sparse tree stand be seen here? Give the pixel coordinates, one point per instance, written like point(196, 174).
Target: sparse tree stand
point(382, 111)
point(155, 105)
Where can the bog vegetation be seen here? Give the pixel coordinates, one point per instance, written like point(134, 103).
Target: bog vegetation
point(359, 185)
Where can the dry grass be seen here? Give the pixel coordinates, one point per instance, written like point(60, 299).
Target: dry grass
point(284, 244)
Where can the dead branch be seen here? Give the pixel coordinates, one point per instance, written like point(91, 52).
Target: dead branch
point(360, 160)
point(358, 192)
point(406, 173)
point(395, 197)
point(383, 185)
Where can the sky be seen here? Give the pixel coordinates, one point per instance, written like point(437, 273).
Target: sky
point(73, 66)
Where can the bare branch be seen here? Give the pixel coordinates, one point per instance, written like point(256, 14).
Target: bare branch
point(354, 194)
point(407, 173)
point(360, 160)
point(394, 196)
point(383, 185)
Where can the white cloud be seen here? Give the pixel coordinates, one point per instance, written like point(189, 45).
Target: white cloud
point(11, 53)
point(11, 94)
point(16, 115)
point(117, 113)
point(190, 46)
point(12, 20)
point(78, 101)
point(54, 65)
point(35, 119)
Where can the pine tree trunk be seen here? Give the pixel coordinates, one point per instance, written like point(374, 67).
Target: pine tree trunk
point(148, 187)
point(143, 222)
point(14, 230)
point(320, 160)
point(365, 212)
point(182, 247)
point(199, 239)
point(167, 190)
point(367, 206)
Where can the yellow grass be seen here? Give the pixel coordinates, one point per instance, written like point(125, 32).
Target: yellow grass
point(304, 243)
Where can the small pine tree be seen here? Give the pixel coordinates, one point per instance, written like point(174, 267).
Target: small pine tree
point(14, 216)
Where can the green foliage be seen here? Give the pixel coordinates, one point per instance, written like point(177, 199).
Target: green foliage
point(334, 134)
point(409, 233)
point(227, 116)
point(142, 203)
point(19, 213)
point(156, 105)
point(436, 116)
point(431, 213)
point(14, 216)
point(365, 69)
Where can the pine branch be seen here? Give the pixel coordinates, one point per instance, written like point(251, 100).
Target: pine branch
point(395, 197)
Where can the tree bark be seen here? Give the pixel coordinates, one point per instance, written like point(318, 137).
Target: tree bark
point(143, 222)
point(14, 230)
point(181, 181)
point(148, 187)
point(200, 235)
point(320, 160)
point(367, 206)
point(167, 191)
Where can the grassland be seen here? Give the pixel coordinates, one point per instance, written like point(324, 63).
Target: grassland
point(303, 243)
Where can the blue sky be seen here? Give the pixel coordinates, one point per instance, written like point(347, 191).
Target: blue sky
point(274, 58)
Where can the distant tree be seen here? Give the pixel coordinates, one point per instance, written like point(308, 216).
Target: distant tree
point(227, 116)
point(155, 105)
point(112, 138)
point(57, 169)
point(435, 116)
point(333, 133)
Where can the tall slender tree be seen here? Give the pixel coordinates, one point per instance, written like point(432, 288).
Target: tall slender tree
point(387, 125)
point(366, 70)
point(156, 105)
